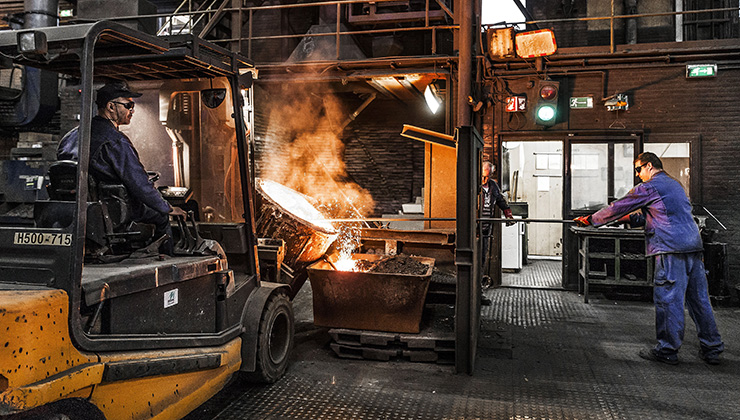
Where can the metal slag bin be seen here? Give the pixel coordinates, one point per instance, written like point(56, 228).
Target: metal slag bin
point(367, 300)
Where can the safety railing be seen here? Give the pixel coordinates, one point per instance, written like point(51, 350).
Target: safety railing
point(210, 12)
point(208, 15)
point(188, 20)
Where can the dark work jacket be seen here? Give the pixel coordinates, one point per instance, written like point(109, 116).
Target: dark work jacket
point(664, 210)
point(493, 197)
point(114, 160)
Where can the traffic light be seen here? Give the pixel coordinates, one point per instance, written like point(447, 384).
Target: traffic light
point(546, 111)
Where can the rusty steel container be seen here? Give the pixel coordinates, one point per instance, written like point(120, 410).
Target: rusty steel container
point(367, 300)
point(305, 240)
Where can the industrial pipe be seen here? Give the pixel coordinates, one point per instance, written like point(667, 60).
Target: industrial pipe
point(464, 17)
point(40, 13)
point(631, 23)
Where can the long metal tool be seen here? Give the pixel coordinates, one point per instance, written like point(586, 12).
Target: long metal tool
point(448, 219)
point(500, 220)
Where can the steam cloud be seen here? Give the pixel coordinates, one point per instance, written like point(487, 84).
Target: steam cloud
point(303, 150)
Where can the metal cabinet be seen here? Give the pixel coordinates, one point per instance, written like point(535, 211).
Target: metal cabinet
point(512, 246)
point(612, 256)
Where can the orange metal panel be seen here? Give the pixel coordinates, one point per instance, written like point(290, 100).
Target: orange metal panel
point(165, 396)
point(440, 185)
point(38, 360)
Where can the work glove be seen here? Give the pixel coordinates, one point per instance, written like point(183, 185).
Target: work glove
point(508, 215)
point(625, 220)
point(583, 221)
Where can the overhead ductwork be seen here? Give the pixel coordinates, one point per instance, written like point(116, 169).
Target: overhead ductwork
point(631, 23)
point(111, 9)
point(41, 13)
point(324, 48)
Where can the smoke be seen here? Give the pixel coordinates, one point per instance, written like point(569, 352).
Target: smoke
point(303, 150)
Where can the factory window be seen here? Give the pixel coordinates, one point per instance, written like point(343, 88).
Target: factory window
point(600, 173)
point(720, 24)
point(675, 158)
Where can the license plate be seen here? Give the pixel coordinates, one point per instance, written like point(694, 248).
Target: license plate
point(37, 238)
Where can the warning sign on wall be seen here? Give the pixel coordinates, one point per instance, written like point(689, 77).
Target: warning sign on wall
point(516, 103)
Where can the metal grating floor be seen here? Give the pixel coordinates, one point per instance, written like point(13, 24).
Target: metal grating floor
point(565, 360)
point(546, 274)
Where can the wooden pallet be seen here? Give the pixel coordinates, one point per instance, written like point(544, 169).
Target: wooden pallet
point(423, 340)
point(446, 356)
point(435, 342)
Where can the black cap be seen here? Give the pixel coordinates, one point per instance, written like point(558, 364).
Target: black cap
point(112, 91)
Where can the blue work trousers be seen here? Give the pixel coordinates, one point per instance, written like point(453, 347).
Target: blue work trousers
point(681, 278)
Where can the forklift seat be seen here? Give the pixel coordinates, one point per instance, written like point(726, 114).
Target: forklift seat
point(110, 228)
point(62, 180)
point(58, 211)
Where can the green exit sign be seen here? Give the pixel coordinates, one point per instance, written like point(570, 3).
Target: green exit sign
point(701, 70)
point(581, 102)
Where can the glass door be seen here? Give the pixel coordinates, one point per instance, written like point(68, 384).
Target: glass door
point(598, 170)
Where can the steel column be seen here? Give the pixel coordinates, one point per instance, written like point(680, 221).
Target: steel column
point(464, 14)
point(467, 254)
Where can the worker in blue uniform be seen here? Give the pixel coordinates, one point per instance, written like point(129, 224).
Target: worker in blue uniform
point(660, 204)
point(490, 197)
point(114, 159)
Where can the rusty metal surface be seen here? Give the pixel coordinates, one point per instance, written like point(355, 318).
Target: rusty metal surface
point(366, 300)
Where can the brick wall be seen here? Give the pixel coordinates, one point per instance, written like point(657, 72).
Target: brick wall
point(667, 106)
point(377, 158)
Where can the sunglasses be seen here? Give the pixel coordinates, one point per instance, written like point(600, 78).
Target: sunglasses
point(638, 169)
point(127, 105)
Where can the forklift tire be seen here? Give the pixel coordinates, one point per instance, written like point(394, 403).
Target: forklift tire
point(274, 341)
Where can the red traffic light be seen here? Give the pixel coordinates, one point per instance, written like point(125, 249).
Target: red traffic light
point(548, 92)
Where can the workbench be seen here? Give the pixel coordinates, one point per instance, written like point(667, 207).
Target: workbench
point(612, 256)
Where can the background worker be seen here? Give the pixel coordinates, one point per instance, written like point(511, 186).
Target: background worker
point(660, 204)
point(114, 159)
point(490, 196)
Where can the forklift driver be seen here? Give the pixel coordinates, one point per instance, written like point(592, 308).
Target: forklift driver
point(114, 159)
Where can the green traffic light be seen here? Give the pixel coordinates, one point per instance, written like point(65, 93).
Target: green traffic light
point(546, 113)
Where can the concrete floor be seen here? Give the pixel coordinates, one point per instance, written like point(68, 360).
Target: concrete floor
point(543, 354)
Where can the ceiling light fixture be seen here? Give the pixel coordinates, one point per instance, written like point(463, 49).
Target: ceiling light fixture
point(434, 102)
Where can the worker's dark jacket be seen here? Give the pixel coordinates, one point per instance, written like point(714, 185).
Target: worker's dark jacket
point(113, 159)
point(665, 213)
point(491, 198)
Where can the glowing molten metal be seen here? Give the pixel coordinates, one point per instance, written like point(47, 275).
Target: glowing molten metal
point(346, 263)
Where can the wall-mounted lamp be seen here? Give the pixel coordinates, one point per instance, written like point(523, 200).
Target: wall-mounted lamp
point(431, 95)
point(506, 43)
point(618, 102)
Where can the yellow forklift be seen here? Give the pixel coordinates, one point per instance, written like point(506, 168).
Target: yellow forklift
point(94, 323)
